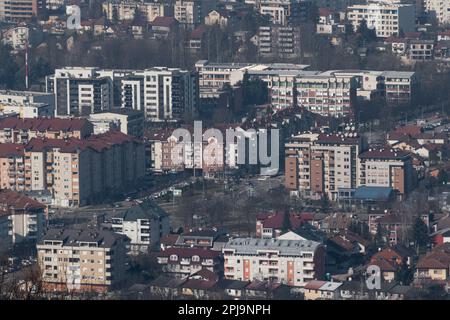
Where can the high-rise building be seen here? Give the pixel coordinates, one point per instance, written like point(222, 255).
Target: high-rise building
point(387, 19)
point(80, 91)
point(320, 164)
point(162, 93)
point(279, 41)
point(13, 10)
point(438, 9)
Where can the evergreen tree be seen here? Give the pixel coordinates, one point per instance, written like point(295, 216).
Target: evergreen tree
point(404, 274)
point(379, 236)
point(419, 234)
point(286, 222)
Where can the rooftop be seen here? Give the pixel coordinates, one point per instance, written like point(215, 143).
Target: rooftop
point(284, 247)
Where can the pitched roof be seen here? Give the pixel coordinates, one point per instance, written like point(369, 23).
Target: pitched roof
point(10, 150)
point(13, 202)
point(438, 258)
point(44, 124)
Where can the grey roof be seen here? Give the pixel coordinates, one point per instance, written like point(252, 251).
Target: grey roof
point(398, 74)
point(373, 193)
point(72, 237)
point(284, 247)
point(145, 210)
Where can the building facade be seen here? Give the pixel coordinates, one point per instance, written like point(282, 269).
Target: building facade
point(81, 259)
point(291, 262)
point(387, 19)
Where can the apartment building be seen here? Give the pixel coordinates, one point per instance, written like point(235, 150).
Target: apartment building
point(327, 94)
point(291, 262)
point(27, 98)
point(320, 164)
point(12, 167)
point(388, 19)
point(387, 168)
point(439, 10)
point(162, 93)
point(182, 262)
point(213, 76)
point(21, 218)
point(279, 41)
point(128, 121)
point(421, 50)
point(124, 10)
point(27, 110)
point(76, 172)
point(17, 10)
point(285, 12)
point(81, 259)
point(144, 224)
point(80, 91)
point(16, 130)
point(401, 87)
point(193, 12)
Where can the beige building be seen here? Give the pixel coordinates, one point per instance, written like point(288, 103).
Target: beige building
point(81, 259)
point(17, 9)
point(218, 18)
point(15, 130)
point(21, 218)
point(388, 19)
point(291, 262)
point(76, 172)
point(387, 168)
point(439, 9)
point(321, 164)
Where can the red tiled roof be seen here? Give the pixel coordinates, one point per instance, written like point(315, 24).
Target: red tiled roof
point(11, 201)
point(275, 220)
point(198, 32)
point(314, 284)
point(336, 138)
point(341, 242)
point(438, 258)
point(44, 124)
point(95, 142)
point(384, 264)
point(10, 150)
point(169, 239)
point(164, 22)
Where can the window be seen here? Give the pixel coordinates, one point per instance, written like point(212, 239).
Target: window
point(173, 257)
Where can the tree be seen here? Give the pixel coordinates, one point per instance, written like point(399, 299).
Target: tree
point(404, 274)
point(286, 222)
point(367, 34)
point(419, 234)
point(379, 236)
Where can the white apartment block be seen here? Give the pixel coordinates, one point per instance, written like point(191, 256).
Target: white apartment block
point(27, 104)
point(21, 218)
point(144, 225)
point(80, 91)
point(16, 37)
point(387, 168)
point(327, 94)
point(128, 121)
point(388, 19)
point(292, 262)
point(81, 259)
point(163, 93)
point(439, 9)
point(126, 10)
point(192, 12)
